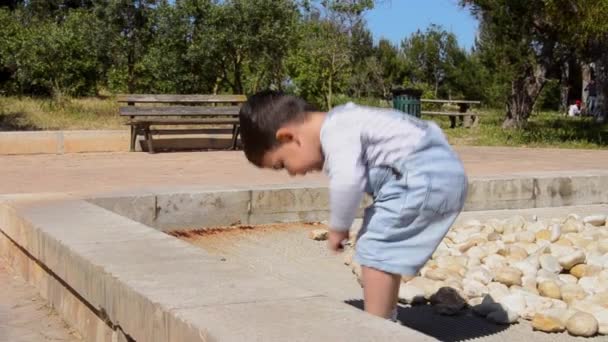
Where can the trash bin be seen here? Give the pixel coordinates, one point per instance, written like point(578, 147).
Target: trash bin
point(407, 100)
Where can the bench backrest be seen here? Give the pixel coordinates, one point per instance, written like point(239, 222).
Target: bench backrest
point(183, 99)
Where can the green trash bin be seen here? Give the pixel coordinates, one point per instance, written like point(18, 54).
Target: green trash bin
point(407, 100)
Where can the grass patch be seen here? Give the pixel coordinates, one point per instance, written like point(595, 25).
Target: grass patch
point(545, 129)
point(31, 114)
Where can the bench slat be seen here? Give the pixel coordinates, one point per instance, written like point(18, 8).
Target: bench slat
point(150, 98)
point(169, 121)
point(451, 113)
point(178, 111)
point(192, 131)
point(449, 101)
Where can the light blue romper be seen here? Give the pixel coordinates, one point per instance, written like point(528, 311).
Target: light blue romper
point(417, 181)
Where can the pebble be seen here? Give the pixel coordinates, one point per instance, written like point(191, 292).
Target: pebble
point(318, 234)
point(602, 246)
point(517, 253)
point(563, 242)
point(568, 278)
point(549, 289)
point(550, 263)
point(571, 292)
point(473, 288)
point(488, 304)
point(495, 261)
point(502, 317)
point(544, 234)
point(497, 290)
point(481, 274)
point(526, 236)
point(582, 324)
point(439, 274)
point(508, 276)
point(547, 324)
point(570, 260)
point(514, 302)
point(572, 225)
point(411, 294)
point(447, 301)
point(596, 220)
point(556, 232)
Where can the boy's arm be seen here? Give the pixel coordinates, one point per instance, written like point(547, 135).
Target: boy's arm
point(346, 177)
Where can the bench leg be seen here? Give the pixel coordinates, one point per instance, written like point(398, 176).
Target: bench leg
point(452, 121)
point(235, 135)
point(148, 137)
point(133, 138)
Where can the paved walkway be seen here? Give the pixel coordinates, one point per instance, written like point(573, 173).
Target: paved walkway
point(107, 172)
point(24, 315)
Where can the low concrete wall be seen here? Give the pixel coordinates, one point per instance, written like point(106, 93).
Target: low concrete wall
point(174, 209)
point(59, 142)
point(144, 285)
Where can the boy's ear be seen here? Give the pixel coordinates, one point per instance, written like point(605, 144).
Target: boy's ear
point(285, 134)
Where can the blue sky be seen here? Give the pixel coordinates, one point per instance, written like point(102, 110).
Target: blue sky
point(397, 19)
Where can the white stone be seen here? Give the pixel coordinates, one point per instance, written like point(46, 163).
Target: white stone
point(570, 260)
point(568, 278)
point(473, 288)
point(526, 236)
point(559, 251)
point(497, 290)
point(544, 275)
point(556, 232)
point(487, 305)
point(481, 274)
point(514, 302)
point(536, 226)
point(495, 261)
point(509, 238)
point(507, 275)
point(409, 293)
point(527, 267)
point(502, 317)
point(550, 263)
point(602, 246)
point(582, 324)
point(589, 284)
point(535, 304)
point(476, 252)
point(596, 220)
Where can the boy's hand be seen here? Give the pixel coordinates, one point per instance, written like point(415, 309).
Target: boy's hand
point(334, 241)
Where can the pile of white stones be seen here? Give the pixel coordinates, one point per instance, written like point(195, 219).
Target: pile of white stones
point(551, 272)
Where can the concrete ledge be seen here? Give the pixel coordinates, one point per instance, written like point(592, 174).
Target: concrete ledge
point(59, 142)
point(184, 209)
point(154, 287)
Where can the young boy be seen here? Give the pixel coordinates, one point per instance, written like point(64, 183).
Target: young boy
point(417, 181)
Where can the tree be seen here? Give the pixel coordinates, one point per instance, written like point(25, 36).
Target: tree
point(530, 37)
point(430, 56)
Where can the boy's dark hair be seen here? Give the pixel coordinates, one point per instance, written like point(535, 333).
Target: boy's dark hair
point(263, 115)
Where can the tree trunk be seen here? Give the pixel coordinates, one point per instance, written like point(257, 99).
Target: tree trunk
point(586, 71)
point(238, 75)
point(601, 80)
point(565, 87)
point(524, 91)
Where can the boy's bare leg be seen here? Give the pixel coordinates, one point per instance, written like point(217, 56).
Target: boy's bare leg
point(380, 291)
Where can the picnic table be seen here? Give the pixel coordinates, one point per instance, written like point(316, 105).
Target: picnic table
point(468, 118)
point(215, 112)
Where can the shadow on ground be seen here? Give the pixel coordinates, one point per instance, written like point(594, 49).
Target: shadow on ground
point(15, 122)
point(444, 328)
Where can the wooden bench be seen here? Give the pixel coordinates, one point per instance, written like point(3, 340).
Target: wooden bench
point(172, 110)
point(469, 119)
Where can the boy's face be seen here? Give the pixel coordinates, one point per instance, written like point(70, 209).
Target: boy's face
point(298, 153)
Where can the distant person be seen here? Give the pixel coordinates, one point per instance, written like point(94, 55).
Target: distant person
point(417, 181)
point(575, 109)
point(590, 105)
